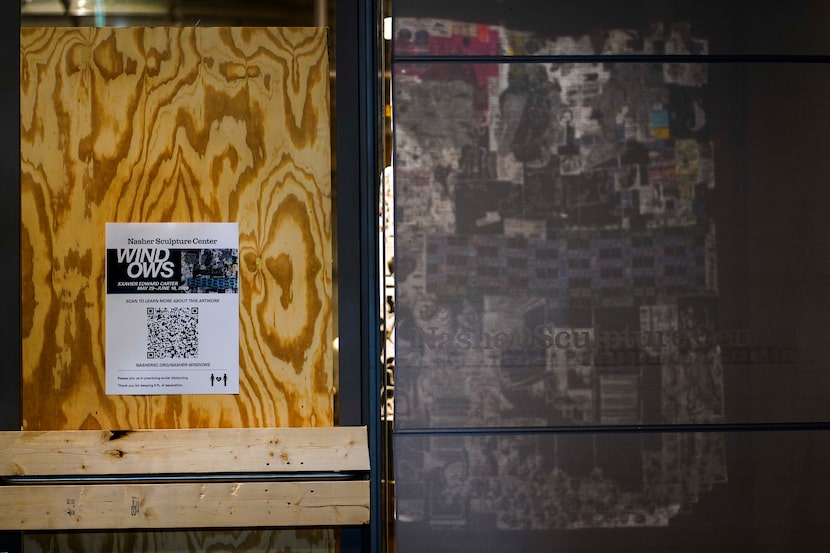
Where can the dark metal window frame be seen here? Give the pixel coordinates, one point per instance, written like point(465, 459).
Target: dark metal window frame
point(358, 177)
point(10, 335)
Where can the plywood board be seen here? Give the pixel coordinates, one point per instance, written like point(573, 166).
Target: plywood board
point(185, 124)
point(311, 540)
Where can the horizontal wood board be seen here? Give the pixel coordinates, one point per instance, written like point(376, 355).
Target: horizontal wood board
point(184, 505)
point(194, 451)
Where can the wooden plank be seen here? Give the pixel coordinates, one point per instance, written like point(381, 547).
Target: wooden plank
point(199, 451)
point(187, 505)
point(176, 124)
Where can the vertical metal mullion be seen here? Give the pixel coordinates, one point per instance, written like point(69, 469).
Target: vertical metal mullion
point(10, 336)
point(11, 417)
point(358, 176)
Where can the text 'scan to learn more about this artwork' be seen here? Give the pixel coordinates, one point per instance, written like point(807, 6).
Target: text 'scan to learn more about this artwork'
point(172, 308)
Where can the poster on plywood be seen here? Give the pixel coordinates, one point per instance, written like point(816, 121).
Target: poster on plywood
point(172, 308)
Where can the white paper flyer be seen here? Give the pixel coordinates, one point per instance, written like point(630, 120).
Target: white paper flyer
point(172, 308)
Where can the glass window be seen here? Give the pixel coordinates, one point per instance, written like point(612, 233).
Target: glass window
point(607, 221)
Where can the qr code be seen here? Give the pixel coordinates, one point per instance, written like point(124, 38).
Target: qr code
point(172, 332)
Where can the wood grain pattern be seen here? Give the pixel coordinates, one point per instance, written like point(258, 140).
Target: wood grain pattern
point(184, 505)
point(198, 451)
point(252, 541)
point(154, 125)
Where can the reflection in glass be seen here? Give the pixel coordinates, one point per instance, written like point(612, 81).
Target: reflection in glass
point(556, 260)
point(477, 27)
point(613, 492)
point(442, 37)
point(610, 243)
point(556, 482)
